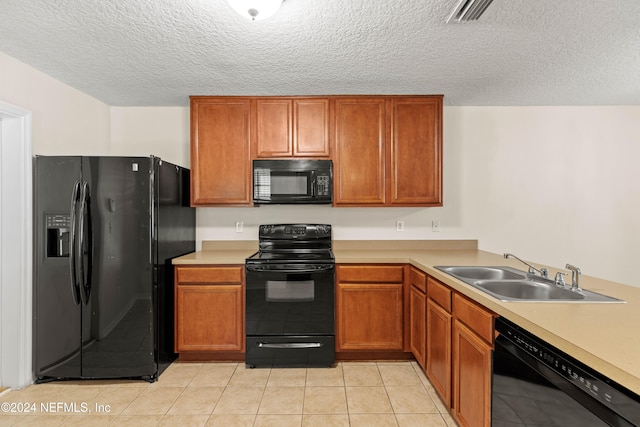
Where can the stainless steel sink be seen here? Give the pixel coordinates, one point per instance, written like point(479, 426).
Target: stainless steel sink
point(526, 290)
point(511, 284)
point(484, 273)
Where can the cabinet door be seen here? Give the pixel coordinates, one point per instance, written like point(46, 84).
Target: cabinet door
point(209, 318)
point(471, 378)
point(273, 128)
point(416, 151)
point(311, 127)
point(291, 127)
point(438, 366)
point(220, 157)
point(369, 317)
point(360, 153)
point(417, 324)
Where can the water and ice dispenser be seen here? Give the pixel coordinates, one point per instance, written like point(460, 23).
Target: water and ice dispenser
point(58, 233)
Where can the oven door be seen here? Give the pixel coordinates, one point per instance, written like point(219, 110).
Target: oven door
point(290, 299)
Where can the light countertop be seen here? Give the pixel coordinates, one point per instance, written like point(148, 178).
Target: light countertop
point(603, 336)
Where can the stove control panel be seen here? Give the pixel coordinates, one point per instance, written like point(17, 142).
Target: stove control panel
point(294, 231)
point(298, 230)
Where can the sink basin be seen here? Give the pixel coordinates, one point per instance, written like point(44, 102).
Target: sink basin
point(526, 290)
point(511, 284)
point(484, 273)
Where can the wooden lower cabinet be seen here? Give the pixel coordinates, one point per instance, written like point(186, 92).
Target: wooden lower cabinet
point(459, 344)
point(369, 308)
point(471, 377)
point(209, 309)
point(438, 366)
point(417, 315)
point(471, 356)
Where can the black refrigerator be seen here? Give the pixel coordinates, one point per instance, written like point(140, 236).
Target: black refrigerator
point(106, 230)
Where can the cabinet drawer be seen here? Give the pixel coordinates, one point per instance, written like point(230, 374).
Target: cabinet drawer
point(209, 275)
point(439, 293)
point(370, 273)
point(476, 318)
point(419, 279)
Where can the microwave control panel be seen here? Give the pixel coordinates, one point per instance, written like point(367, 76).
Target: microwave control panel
point(323, 185)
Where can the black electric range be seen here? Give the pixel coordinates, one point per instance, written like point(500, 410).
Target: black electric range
point(290, 297)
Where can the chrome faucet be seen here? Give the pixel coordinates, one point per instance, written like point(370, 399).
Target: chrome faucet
point(559, 280)
point(575, 277)
point(532, 270)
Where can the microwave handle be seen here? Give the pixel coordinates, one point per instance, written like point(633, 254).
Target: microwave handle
point(313, 183)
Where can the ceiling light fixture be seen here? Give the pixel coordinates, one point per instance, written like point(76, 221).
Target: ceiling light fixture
point(468, 10)
point(255, 9)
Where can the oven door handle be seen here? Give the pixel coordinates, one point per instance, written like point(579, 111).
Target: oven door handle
point(291, 345)
point(305, 269)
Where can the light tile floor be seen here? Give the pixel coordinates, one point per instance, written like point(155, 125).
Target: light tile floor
point(227, 394)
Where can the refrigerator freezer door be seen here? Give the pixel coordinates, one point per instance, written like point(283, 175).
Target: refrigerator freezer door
point(56, 310)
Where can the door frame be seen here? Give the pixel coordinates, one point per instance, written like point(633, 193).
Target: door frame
point(16, 247)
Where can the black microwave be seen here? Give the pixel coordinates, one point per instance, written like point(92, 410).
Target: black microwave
point(295, 181)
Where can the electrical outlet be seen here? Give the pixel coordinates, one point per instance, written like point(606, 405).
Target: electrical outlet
point(239, 226)
point(435, 226)
point(399, 225)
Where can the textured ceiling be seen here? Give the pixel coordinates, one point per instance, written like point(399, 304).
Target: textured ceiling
point(158, 52)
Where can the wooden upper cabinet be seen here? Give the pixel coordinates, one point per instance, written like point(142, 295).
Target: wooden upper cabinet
point(291, 127)
point(416, 151)
point(360, 152)
point(220, 156)
point(311, 127)
point(273, 128)
point(388, 151)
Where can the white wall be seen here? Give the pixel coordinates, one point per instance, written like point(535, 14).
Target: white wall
point(158, 131)
point(64, 120)
point(55, 119)
point(552, 184)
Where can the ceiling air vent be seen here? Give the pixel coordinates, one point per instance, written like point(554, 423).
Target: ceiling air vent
point(468, 10)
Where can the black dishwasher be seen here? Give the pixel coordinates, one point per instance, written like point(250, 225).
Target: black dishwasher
point(535, 384)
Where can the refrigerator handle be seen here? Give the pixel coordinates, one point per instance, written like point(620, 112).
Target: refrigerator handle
point(72, 242)
point(85, 244)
